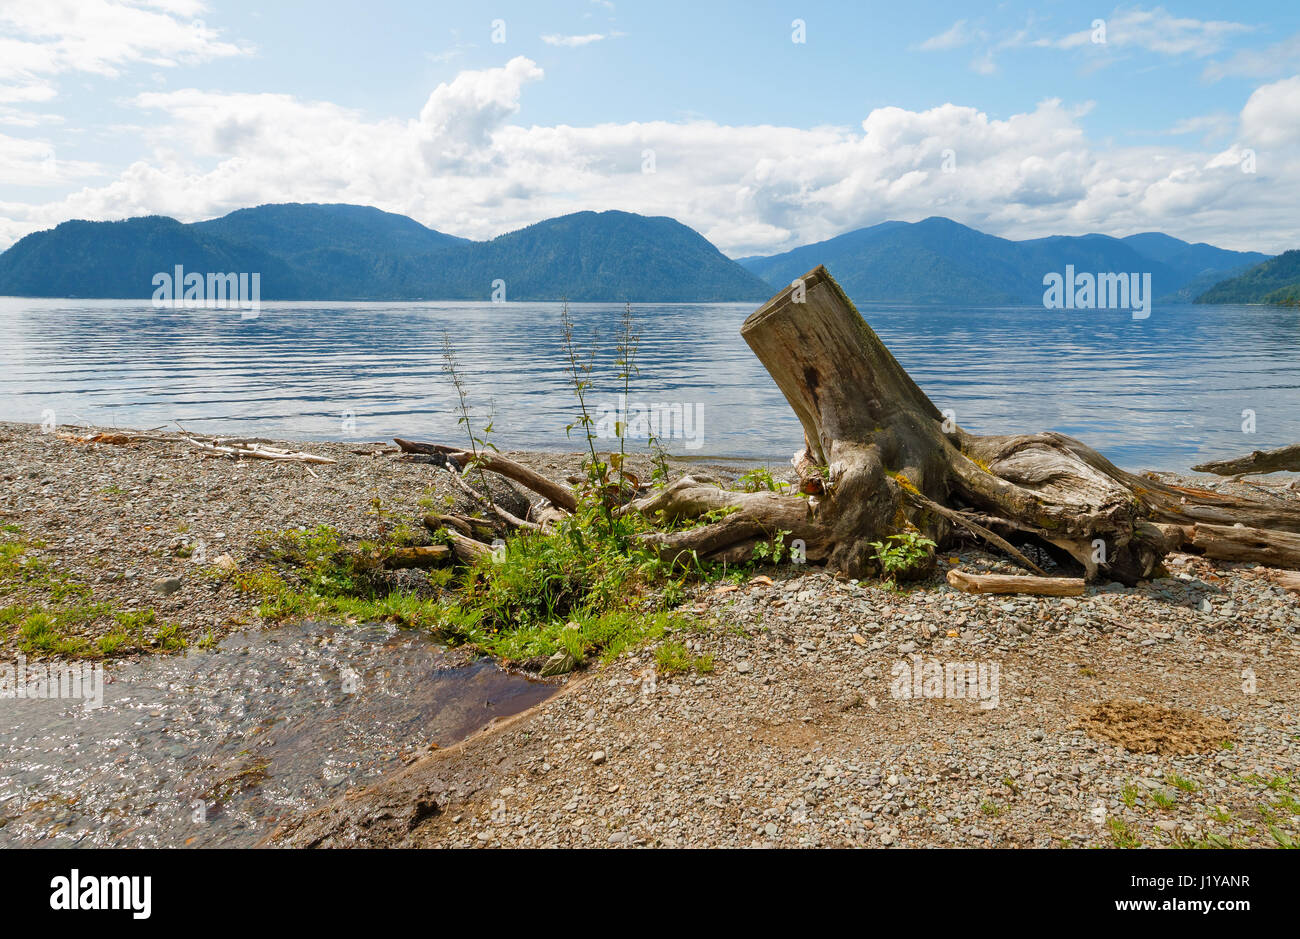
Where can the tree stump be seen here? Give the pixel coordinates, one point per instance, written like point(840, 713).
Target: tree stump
point(880, 458)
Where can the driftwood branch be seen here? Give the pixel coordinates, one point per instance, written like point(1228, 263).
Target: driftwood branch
point(1009, 583)
point(994, 539)
point(477, 528)
point(1287, 580)
point(556, 493)
point(879, 457)
point(1282, 460)
point(489, 504)
point(1238, 543)
point(256, 451)
point(467, 550)
point(421, 556)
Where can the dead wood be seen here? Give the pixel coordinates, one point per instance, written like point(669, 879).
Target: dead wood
point(556, 493)
point(1014, 583)
point(467, 550)
point(1282, 460)
point(421, 556)
point(879, 458)
point(257, 451)
point(1239, 543)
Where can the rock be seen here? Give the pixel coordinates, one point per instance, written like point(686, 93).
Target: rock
point(225, 562)
point(167, 585)
point(598, 757)
point(742, 667)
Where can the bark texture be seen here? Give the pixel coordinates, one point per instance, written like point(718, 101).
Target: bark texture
point(879, 458)
point(1281, 460)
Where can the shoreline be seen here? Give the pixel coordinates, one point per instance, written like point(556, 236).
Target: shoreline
point(795, 737)
point(144, 526)
point(1104, 734)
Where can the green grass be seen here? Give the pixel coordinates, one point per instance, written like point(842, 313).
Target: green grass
point(673, 657)
point(590, 588)
point(1121, 835)
point(48, 613)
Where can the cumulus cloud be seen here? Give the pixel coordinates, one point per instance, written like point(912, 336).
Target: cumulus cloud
point(1271, 117)
point(464, 165)
point(460, 117)
point(33, 163)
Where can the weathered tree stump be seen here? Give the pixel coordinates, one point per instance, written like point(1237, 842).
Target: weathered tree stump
point(880, 458)
point(877, 443)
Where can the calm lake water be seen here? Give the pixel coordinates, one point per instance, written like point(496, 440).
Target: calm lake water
point(1164, 392)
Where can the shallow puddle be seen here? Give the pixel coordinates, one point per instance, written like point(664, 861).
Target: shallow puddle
point(215, 748)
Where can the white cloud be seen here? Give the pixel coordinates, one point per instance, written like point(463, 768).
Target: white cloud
point(1271, 117)
point(957, 35)
point(33, 163)
point(984, 64)
point(35, 91)
point(44, 38)
point(465, 166)
point(554, 39)
point(1210, 127)
point(1157, 30)
point(1277, 59)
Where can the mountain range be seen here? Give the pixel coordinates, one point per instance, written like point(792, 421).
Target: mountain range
point(1277, 280)
point(351, 252)
point(941, 261)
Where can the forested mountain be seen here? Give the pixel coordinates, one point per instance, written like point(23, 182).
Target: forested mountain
point(1277, 280)
point(347, 252)
point(941, 261)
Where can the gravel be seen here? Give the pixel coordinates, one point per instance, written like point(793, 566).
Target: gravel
point(799, 736)
point(797, 739)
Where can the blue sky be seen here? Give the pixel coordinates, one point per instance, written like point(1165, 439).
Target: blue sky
point(1186, 118)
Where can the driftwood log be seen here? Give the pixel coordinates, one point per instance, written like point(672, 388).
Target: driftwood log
point(1239, 543)
point(880, 458)
point(1287, 580)
point(886, 459)
point(419, 556)
point(1281, 460)
point(1011, 583)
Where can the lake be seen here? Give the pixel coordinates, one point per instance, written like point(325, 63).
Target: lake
point(1164, 392)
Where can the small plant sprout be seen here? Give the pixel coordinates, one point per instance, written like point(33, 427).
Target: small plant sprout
point(903, 554)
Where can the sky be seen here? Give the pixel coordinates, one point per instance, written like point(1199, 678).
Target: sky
point(763, 125)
